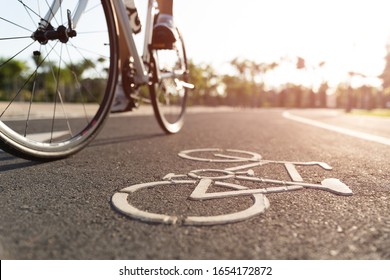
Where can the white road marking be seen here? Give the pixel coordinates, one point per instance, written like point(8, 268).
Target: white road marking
point(203, 182)
point(345, 131)
point(260, 204)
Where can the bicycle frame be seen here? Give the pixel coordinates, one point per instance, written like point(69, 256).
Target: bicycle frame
point(141, 74)
point(82, 4)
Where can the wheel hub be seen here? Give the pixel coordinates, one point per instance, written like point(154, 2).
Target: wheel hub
point(47, 33)
point(50, 34)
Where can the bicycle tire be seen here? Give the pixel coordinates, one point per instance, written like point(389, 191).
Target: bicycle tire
point(63, 82)
point(168, 99)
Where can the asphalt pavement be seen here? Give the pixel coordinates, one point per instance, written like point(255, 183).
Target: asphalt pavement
point(64, 210)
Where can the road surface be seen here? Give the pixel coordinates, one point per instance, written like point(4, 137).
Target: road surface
point(63, 209)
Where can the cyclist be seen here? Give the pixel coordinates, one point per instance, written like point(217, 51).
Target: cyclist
point(164, 35)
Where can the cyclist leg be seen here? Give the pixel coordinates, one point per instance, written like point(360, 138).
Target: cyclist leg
point(165, 6)
point(164, 32)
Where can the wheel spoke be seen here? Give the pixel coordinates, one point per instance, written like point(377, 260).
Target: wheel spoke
point(55, 86)
point(15, 55)
point(169, 96)
point(15, 24)
point(14, 38)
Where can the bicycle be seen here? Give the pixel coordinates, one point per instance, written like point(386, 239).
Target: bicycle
point(59, 68)
point(202, 180)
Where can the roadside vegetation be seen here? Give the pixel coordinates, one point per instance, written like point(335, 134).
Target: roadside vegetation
point(247, 85)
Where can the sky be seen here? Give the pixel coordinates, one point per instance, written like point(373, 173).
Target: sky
point(346, 35)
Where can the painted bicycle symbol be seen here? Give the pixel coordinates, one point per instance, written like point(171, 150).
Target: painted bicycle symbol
point(204, 179)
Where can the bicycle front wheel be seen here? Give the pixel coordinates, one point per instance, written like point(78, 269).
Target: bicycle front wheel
point(57, 76)
point(168, 91)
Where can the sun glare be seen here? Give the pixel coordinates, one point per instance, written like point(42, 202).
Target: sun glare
point(346, 35)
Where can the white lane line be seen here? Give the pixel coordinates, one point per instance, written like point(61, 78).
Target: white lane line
point(346, 131)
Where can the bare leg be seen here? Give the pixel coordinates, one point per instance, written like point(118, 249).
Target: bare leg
point(165, 6)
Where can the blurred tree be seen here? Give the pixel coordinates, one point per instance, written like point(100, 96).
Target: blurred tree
point(250, 83)
point(10, 77)
point(322, 95)
point(385, 76)
point(208, 85)
point(301, 63)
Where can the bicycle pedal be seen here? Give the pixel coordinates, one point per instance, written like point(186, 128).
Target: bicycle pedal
point(139, 99)
point(163, 46)
point(181, 84)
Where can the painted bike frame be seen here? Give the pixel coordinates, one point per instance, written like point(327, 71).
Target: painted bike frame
point(141, 74)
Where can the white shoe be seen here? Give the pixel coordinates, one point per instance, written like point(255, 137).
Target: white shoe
point(121, 102)
point(164, 32)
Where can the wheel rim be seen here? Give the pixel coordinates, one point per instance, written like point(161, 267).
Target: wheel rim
point(54, 93)
point(169, 96)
